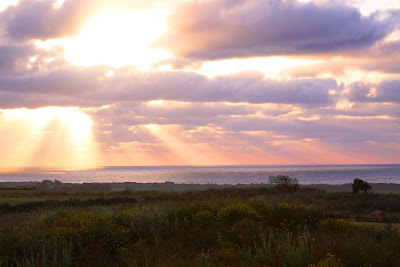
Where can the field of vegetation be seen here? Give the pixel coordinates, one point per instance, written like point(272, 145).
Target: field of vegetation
point(224, 227)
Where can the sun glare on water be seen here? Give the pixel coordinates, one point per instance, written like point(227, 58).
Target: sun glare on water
point(51, 136)
point(118, 39)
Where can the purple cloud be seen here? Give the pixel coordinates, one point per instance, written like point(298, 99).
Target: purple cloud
point(31, 19)
point(93, 85)
point(383, 57)
point(233, 126)
point(235, 28)
point(386, 91)
point(10, 56)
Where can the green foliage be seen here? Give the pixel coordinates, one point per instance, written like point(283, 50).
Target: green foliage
point(294, 214)
point(329, 261)
point(209, 228)
point(235, 212)
point(338, 226)
point(262, 205)
point(369, 248)
point(227, 256)
point(204, 218)
point(294, 249)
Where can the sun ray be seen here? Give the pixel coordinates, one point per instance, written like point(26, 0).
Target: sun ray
point(48, 137)
point(191, 153)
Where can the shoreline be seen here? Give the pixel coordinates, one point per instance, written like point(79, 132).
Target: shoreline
point(170, 186)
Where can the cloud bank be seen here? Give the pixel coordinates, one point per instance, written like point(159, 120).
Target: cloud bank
point(306, 114)
point(235, 28)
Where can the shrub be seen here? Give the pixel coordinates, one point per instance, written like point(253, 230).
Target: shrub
point(284, 183)
point(227, 257)
point(292, 247)
point(91, 231)
point(329, 261)
point(235, 212)
point(204, 218)
point(262, 205)
point(294, 214)
point(59, 235)
point(338, 226)
point(360, 186)
point(187, 212)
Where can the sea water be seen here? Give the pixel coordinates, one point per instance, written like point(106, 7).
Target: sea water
point(306, 174)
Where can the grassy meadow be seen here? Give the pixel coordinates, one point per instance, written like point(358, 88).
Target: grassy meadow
point(216, 227)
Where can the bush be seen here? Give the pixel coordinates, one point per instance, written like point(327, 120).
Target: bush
point(204, 218)
point(329, 261)
point(338, 226)
point(284, 183)
point(294, 214)
point(262, 205)
point(236, 212)
point(360, 186)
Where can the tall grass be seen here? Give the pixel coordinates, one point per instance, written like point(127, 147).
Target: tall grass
point(214, 228)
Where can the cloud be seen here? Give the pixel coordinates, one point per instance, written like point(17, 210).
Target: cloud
point(45, 19)
point(14, 58)
point(386, 91)
point(17, 60)
point(273, 131)
point(234, 28)
point(245, 115)
point(210, 122)
point(183, 86)
point(93, 84)
point(382, 57)
point(247, 131)
point(31, 19)
point(61, 82)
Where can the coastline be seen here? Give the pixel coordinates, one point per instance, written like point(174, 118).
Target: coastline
point(170, 186)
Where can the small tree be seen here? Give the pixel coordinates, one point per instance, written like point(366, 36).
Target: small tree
point(284, 183)
point(360, 186)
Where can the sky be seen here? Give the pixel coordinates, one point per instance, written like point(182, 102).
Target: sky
point(199, 82)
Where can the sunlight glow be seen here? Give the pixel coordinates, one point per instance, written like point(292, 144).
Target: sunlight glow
point(392, 37)
point(344, 104)
point(192, 153)
point(367, 7)
point(58, 3)
point(382, 117)
point(270, 66)
point(6, 3)
point(119, 39)
point(156, 102)
point(50, 136)
point(168, 103)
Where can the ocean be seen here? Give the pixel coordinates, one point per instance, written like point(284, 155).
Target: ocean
point(309, 174)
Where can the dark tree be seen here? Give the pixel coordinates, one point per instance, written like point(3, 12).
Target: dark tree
point(360, 186)
point(285, 183)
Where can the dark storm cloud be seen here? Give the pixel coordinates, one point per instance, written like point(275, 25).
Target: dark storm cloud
point(235, 28)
